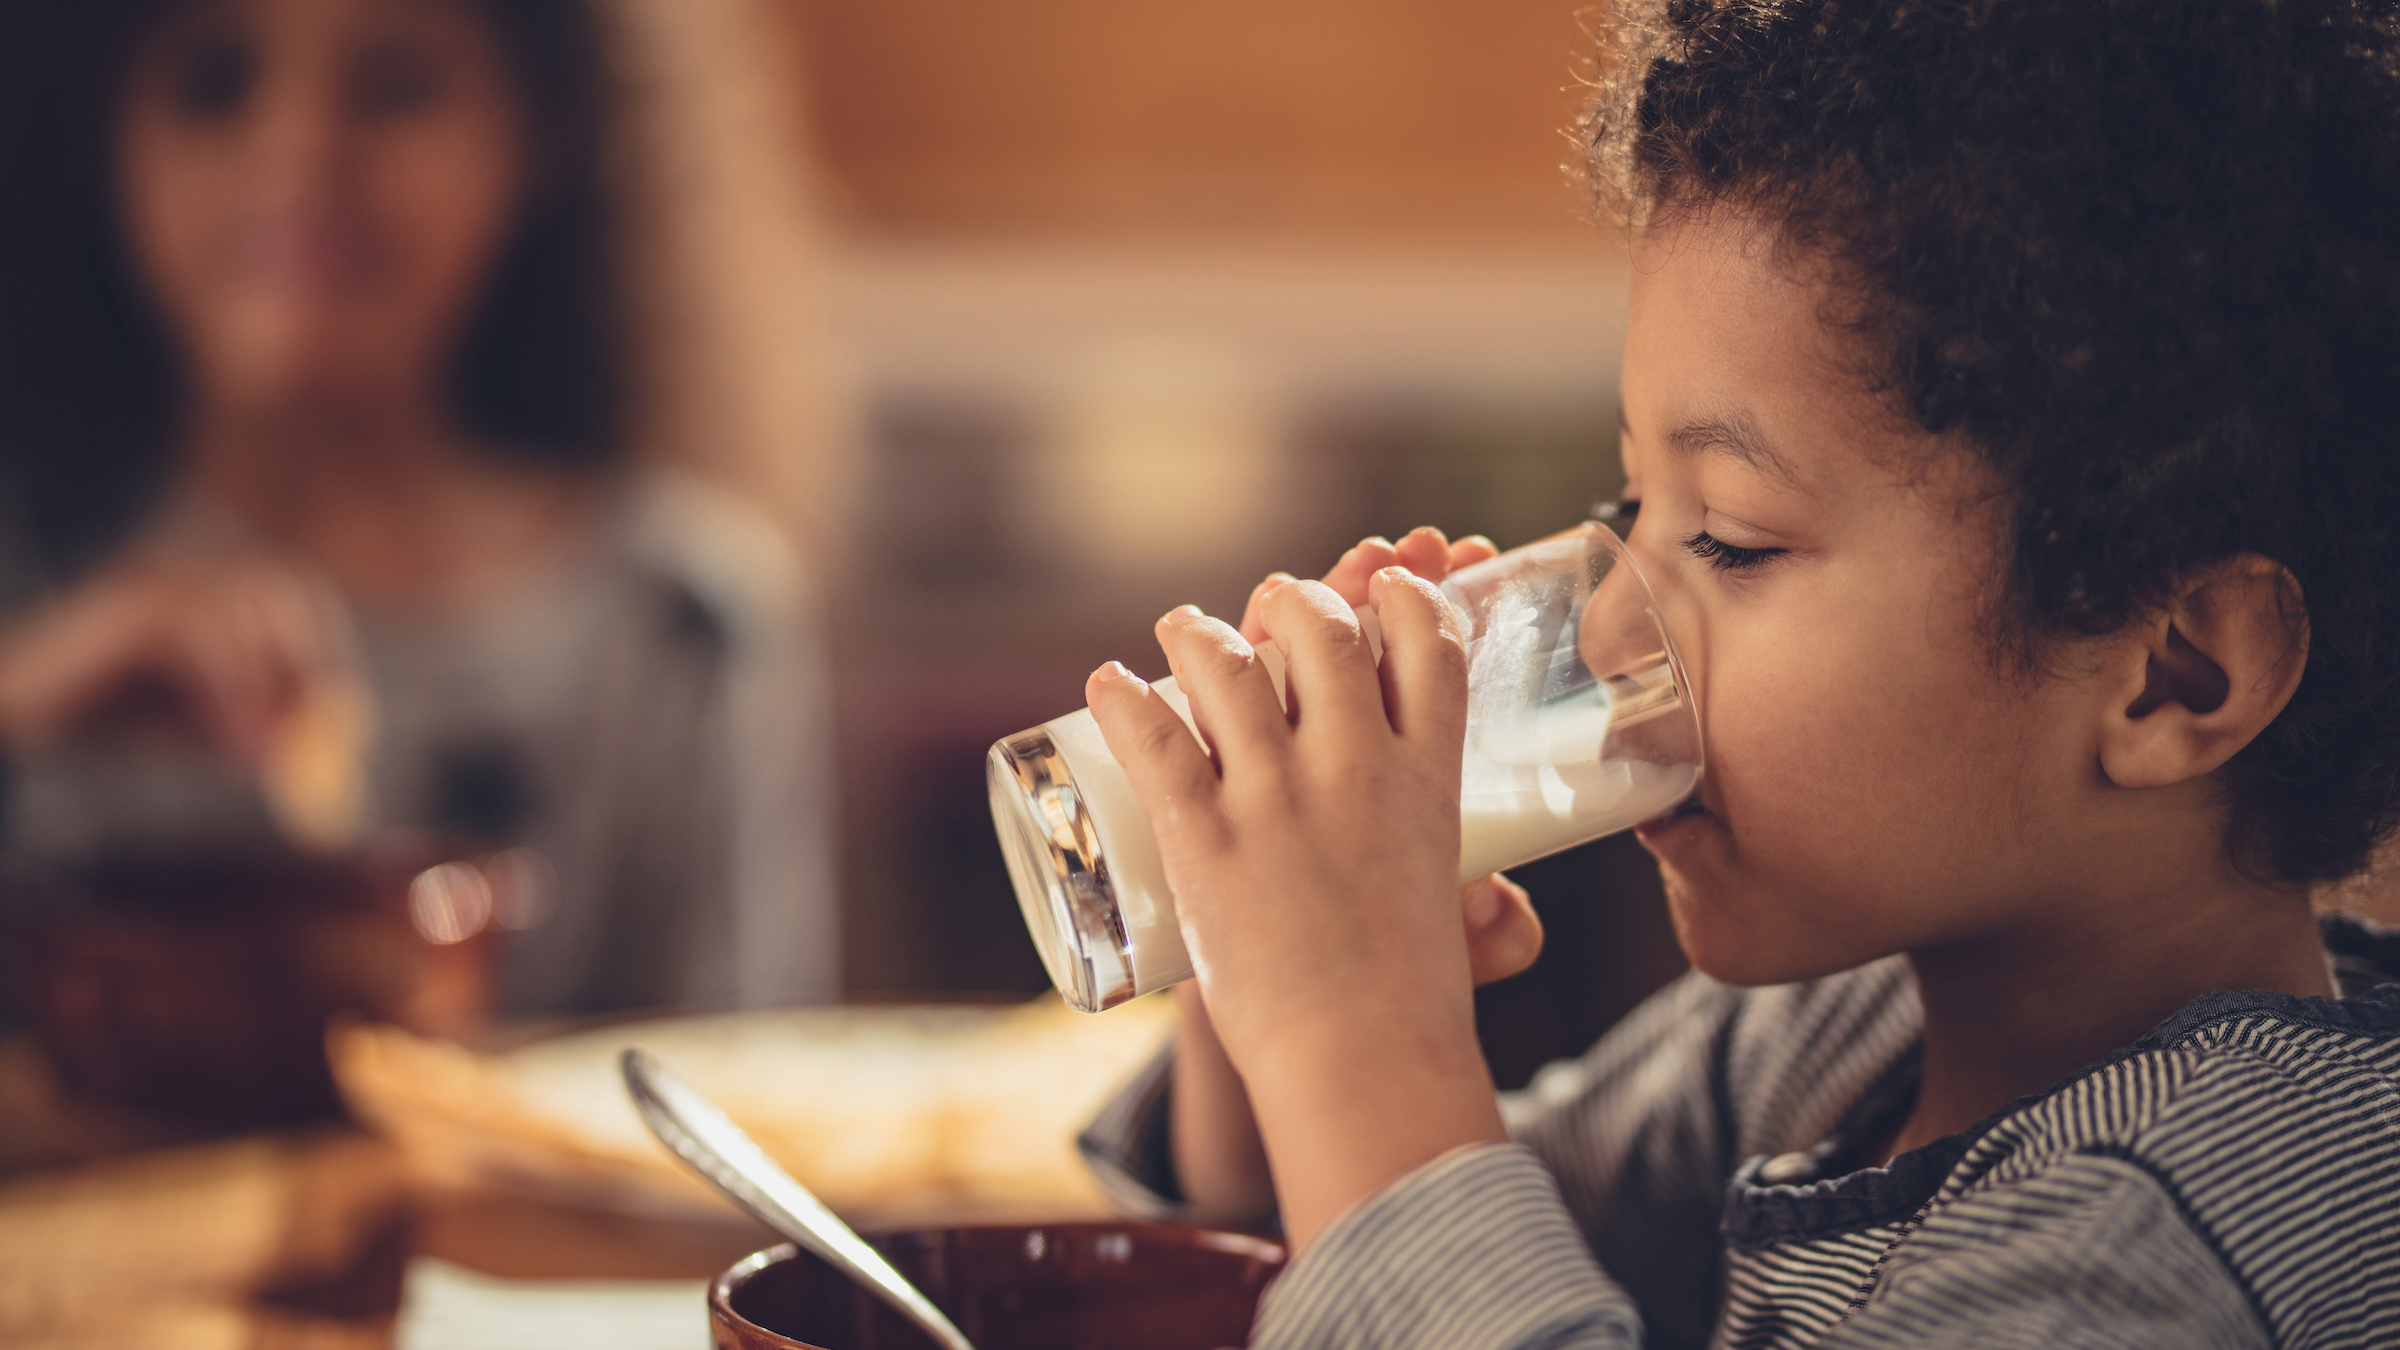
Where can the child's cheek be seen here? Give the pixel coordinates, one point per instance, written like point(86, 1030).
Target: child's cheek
point(1808, 779)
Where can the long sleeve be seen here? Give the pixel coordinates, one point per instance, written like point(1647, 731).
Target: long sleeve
point(2091, 1251)
point(651, 717)
point(1597, 1226)
point(1473, 1251)
point(1129, 1146)
point(786, 919)
point(2225, 1182)
point(1639, 1135)
point(774, 937)
point(1624, 1153)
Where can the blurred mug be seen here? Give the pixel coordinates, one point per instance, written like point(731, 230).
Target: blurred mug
point(1580, 723)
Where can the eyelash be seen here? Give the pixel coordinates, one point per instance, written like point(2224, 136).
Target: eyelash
point(1727, 557)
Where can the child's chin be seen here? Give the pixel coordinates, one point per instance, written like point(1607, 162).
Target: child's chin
point(1749, 968)
point(1723, 946)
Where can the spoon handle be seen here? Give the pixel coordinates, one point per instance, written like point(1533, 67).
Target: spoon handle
point(712, 1145)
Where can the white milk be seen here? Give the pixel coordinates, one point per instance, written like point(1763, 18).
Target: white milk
point(1135, 876)
point(1534, 782)
point(1562, 808)
point(1510, 812)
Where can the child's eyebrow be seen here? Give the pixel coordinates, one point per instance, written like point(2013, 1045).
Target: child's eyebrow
point(1733, 434)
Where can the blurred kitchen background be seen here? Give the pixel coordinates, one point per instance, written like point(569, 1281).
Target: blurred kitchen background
point(1020, 322)
point(1140, 301)
point(1024, 321)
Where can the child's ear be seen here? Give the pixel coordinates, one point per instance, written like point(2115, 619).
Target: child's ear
point(2203, 678)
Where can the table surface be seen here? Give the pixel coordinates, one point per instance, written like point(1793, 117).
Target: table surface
point(290, 1239)
point(119, 1229)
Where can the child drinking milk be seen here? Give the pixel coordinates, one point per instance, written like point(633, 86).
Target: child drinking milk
point(2009, 389)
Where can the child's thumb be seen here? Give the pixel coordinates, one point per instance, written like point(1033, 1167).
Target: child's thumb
point(1504, 935)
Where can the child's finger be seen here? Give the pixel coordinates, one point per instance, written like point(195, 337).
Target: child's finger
point(1504, 934)
point(1471, 550)
point(1329, 671)
point(1425, 552)
point(1254, 629)
point(1424, 659)
point(1232, 698)
point(1162, 760)
point(1349, 576)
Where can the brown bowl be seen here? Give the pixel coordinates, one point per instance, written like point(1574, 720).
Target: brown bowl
point(1066, 1286)
point(195, 986)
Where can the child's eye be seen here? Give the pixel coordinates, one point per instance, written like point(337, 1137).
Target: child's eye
point(1727, 557)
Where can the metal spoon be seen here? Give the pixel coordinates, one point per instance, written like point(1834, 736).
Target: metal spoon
point(696, 1131)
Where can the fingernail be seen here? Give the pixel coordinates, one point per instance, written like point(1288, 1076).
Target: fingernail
point(1425, 529)
point(1375, 539)
point(1483, 539)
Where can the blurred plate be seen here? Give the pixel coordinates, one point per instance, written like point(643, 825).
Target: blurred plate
point(891, 1114)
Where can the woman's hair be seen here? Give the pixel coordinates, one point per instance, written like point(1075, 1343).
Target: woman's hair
point(90, 385)
point(2141, 255)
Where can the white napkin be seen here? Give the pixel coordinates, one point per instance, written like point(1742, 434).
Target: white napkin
point(446, 1307)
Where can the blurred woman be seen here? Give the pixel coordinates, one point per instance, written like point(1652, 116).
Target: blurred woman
point(311, 364)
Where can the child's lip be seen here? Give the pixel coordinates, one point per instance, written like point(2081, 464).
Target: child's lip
point(1692, 806)
point(1652, 829)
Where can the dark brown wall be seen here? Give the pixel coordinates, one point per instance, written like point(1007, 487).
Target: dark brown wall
point(1247, 116)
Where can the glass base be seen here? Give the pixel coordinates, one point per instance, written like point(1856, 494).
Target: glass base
point(1062, 880)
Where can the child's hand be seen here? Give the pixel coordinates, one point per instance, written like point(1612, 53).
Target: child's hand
point(1220, 1162)
point(1219, 1158)
point(1504, 935)
point(1313, 860)
point(1423, 551)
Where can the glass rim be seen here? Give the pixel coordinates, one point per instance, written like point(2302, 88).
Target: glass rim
point(1623, 553)
point(1026, 772)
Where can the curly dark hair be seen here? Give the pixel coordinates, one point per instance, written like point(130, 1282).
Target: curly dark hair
point(89, 385)
point(2140, 254)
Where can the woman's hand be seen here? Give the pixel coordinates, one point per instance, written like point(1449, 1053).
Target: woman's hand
point(237, 642)
point(1314, 859)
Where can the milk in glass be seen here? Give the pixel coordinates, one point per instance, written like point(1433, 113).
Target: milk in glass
point(1578, 725)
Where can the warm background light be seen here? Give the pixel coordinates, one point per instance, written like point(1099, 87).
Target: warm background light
point(1250, 118)
point(1137, 301)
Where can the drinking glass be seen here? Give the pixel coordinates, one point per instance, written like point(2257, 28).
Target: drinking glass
point(1580, 723)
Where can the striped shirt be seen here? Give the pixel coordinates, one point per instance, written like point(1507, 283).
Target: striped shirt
point(2232, 1179)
